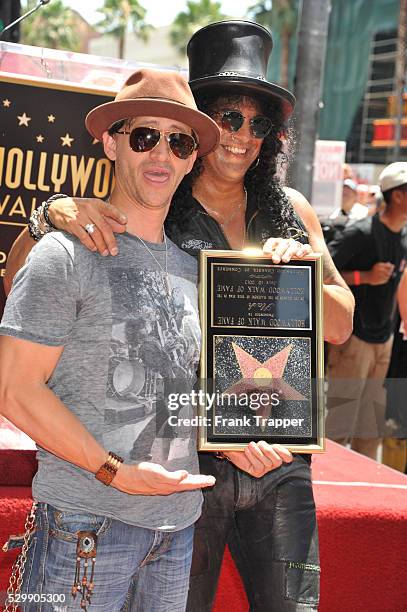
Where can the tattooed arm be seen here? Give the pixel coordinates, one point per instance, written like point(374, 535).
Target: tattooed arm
point(338, 299)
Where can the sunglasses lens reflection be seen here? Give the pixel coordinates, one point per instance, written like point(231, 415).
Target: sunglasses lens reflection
point(232, 121)
point(143, 139)
point(182, 145)
point(260, 126)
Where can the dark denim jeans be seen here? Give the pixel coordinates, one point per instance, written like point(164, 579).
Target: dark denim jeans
point(270, 527)
point(137, 569)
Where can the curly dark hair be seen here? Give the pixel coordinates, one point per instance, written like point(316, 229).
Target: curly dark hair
point(261, 182)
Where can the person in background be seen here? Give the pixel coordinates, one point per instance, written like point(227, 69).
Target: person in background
point(371, 256)
point(348, 199)
point(349, 211)
point(347, 172)
point(367, 196)
point(395, 441)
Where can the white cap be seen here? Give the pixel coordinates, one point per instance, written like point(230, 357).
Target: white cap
point(349, 183)
point(393, 176)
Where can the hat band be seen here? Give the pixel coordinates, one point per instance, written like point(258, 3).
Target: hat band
point(155, 98)
point(238, 74)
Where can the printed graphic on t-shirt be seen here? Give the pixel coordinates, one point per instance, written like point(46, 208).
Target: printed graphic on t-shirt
point(155, 338)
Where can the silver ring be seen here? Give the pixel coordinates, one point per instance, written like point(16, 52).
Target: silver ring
point(90, 228)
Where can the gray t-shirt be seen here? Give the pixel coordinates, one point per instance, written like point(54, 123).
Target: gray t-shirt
point(125, 332)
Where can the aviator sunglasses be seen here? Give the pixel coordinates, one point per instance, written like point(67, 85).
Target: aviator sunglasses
point(232, 121)
point(143, 139)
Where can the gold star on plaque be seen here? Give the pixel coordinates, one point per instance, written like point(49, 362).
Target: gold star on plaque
point(66, 140)
point(40, 138)
point(267, 376)
point(23, 119)
point(6, 103)
point(51, 118)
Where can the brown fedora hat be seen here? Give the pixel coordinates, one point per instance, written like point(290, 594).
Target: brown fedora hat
point(155, 93)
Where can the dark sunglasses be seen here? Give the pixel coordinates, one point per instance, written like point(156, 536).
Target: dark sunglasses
point(232, 121)
point(143, 139)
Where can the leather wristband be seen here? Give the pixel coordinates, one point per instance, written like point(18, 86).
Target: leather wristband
point(108, 470)
point(47, 204)
point(40, 222)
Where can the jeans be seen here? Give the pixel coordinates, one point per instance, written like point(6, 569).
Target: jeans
point(136, 569)
point(270, 526)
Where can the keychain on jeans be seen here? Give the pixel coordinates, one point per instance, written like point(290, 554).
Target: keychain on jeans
point(17, 573)
point(86, 548)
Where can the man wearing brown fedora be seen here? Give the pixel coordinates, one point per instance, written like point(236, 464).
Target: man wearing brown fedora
point(232, 198)
point(114, 509)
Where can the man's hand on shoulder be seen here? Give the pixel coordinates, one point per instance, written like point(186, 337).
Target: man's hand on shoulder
point(72, 215)
point(147, 478)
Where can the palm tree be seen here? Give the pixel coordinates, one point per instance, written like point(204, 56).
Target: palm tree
point(312, 39)
point(52, 26)
point(121, 15)
point(196, 15)
point(281, 16)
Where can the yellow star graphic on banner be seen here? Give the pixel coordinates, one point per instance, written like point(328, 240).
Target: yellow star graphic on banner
point(23, 119)
point(6, 103)
point(51, 118)
point(40, 138)
point(66, 140)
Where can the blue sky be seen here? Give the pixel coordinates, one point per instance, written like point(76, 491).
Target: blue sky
point(159, 12)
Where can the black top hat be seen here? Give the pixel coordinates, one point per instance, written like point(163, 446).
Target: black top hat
point(234, 55)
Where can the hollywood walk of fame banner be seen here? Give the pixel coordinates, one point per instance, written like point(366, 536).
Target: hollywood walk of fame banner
point(45, 149)
point(262, 352)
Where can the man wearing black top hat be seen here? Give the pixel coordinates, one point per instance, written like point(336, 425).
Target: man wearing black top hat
point(263, 508)
point(115, 502)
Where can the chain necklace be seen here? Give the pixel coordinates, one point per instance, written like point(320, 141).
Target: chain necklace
point(164, 271)
point(234, 213)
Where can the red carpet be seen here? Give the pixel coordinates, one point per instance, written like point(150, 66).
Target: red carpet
point(363, 531)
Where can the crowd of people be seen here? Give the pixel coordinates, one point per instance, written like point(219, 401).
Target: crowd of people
point(195, 168)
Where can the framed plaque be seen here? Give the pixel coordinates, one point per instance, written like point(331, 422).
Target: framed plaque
point(262, 352)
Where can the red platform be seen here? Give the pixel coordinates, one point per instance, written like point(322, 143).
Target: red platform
point(362, 518)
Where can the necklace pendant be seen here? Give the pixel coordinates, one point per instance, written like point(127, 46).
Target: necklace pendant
point(168, 283)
